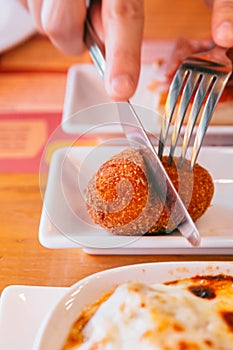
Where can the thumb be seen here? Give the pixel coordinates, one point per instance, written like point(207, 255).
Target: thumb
point(222, 23)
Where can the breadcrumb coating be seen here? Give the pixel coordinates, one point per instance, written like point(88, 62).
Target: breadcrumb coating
point(122, 198)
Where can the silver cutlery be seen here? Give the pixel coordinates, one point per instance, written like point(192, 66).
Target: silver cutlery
point(135, 132)
point(201, 77)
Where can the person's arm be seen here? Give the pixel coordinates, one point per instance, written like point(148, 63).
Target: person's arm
point(222, 22)
point(119, 24)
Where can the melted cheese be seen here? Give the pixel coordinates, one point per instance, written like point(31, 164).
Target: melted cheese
point(159, 317)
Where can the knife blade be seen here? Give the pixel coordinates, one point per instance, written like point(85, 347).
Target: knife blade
point(134, 131)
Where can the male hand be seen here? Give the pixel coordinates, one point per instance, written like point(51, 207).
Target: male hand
point(222, 21)
point(119, 24)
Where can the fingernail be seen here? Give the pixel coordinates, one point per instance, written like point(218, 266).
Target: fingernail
point(224, 33)
point(121, 86)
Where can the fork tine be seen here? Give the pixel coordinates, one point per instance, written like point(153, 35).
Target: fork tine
point(207, 73)
point(195, 110)
point(173, 94)
point(187, 93)
point(212, 100)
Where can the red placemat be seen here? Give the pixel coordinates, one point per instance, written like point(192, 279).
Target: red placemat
point(28, 141)
point(23, 137)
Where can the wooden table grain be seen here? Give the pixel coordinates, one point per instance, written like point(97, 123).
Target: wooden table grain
point(32, 78)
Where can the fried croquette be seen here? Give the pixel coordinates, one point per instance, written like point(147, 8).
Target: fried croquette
point(122, 198)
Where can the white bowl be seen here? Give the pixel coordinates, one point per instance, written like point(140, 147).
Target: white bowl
point(56, 326)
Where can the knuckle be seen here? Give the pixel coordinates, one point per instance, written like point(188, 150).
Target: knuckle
point(67, 41)
point(50, 28)
point(130, 9)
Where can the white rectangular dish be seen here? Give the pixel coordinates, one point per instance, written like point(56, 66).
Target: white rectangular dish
point(85, 89)
point(22, 310)
point(65, 222)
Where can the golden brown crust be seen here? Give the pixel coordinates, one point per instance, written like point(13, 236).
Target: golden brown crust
point(195, 187)
point(121, 197)
point(75, 336)
point(211, 287)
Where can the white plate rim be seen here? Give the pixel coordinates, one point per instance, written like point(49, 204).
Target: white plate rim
point(19, 304)
point(86, 69)
point(146, 245)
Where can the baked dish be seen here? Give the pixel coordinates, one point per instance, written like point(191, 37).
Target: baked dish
point(123, 199)
point(191, 314)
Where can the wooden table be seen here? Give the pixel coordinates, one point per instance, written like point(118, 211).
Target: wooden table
point(32, 78)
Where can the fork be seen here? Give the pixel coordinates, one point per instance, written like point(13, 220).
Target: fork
point(202, 76)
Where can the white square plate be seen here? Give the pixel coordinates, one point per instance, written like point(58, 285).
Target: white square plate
point(65, 222)
point(85, 89)
point(22, 310)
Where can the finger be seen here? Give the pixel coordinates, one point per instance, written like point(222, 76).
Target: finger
point(123, 29)
point(24, 3)
point(63, 22)
point(182, 49)
point(222, 22)
point(34, 7)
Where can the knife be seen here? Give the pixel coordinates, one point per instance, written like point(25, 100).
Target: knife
point(134, 131)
